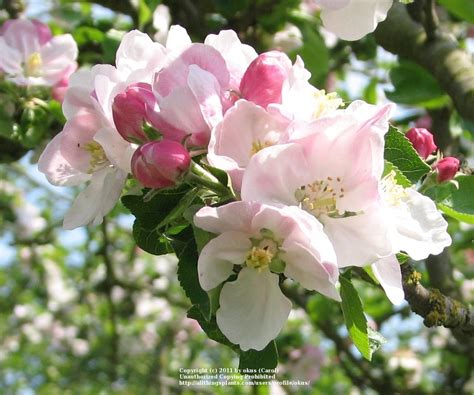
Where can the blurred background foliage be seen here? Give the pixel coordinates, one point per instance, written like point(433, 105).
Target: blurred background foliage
point(87, 312)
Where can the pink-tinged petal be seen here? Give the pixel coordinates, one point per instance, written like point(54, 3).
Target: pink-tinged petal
point(175, 74)
point(238, 56)
point(178, 39)
point(10, 61)
point(252, 309)
point(387, 271)
point(104, 93)
point(206, 90)
point(118, 151)
point(78, 96)
point(235, 216)
point(419, 228)
point(310, 270)
point(78, 132)
point(219, 256)
point(43, 31)
point(99, 197)
point(357, 19)
point(274, 174)
point(56, 168)
point(245, 128)
point(347, 148)
point(22, 35)
point(181, 111)
point(359, 240)
point(137, 51)
point(57, 55)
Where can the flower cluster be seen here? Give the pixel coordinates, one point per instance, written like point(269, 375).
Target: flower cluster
point(32, 56)
point(309, 192)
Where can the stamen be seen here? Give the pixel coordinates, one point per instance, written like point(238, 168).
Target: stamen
point(98, 157)
point(258, 145)
point(33, 65)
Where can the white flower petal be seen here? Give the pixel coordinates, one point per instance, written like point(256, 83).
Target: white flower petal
point(312, 272)
point(358, 240)
point(219, 256)
point(117, 150)
point(94, 202)
point(252, 309)
point(233, 216)
point(357, 19)
point(57, 169)
point(420, 229)
point(387, 271)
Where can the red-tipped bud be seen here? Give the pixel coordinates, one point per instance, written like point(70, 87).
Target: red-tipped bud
point(422, 141)
point(262, 82)
point(160, 164)
point(131, 109)
point(447, 168)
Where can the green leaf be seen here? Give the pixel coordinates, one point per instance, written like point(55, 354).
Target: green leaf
point(210, 328)
point(314, 54)
point(400, 152)
point(415, 86)
point(354, 317)
point(459, 202)
point(188, 273)
point(400, 178)
point(153, 212)
point(370, 91)
point(376, 340)
point(150, 240)
point(144, 13)
point(463, 9)
point(266, 358)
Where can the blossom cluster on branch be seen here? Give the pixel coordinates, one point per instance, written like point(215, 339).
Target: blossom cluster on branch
point(308, 189)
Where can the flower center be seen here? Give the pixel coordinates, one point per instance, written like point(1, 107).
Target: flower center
point(259, 145)
point(98, 158)
point(321, 196)
point(392, 193)
point(33, 65)
point(325, 102)
point(264, 253)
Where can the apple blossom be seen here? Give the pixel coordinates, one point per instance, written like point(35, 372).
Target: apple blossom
point(332, 170)
point(422, 141)
point(31, 56)
point(159, 164)
point(90, 148)
point(446, 168)
point(246, 129)
point(353, 19)
point(264, 241)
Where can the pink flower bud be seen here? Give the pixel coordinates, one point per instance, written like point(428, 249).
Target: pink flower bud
point(131, 109)
point(422, 141)
point(159, 164)
point(447, 168)
point(263, 80)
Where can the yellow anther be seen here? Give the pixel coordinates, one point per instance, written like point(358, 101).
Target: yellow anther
point(33, 65)
point(258, 145)
point(259, 258)
point(98, 157)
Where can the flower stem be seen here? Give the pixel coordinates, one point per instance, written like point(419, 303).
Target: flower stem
point(199, 176)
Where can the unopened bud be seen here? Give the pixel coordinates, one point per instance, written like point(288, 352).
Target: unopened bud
point(447, 168)
point(422, 141)
point(160, 164)
point(131, 109)
point(262, 82)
